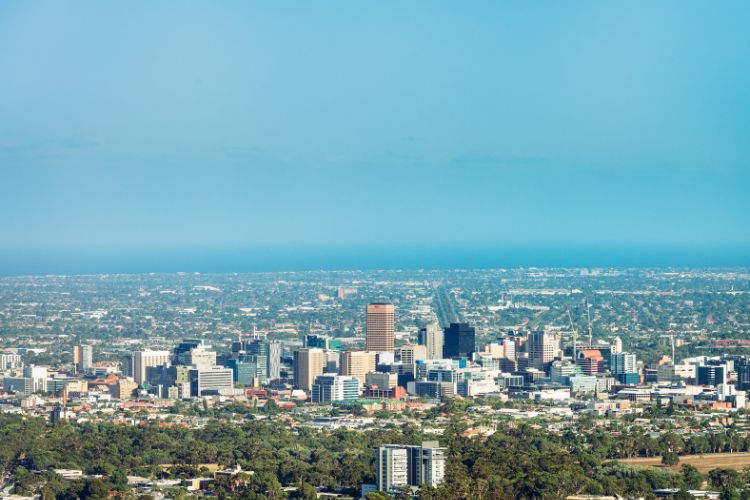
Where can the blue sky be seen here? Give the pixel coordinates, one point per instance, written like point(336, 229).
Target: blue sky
point(157, 125)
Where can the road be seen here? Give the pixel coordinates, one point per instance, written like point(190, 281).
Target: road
point(446, 307)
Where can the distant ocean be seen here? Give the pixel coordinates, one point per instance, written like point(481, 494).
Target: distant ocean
point(301, 258)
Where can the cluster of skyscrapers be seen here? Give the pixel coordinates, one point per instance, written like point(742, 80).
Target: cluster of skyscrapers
point(380, 370)
point(192, 369)
point(445, 362)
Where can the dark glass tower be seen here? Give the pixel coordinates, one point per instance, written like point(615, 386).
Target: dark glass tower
point(182, 351)
point(459, 341)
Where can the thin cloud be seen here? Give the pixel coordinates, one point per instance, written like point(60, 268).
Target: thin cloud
point(490, 159)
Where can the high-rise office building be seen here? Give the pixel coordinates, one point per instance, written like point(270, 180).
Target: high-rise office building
point(542, 348)
point(392, 467)
point(320, 341)
point(431, 337)
point(260, 348)
point(459, 341)
point(274, 360)
point(39, 375)
point(616, 346)
point(267, 352)
point(182, 350)
point(210, 380)
point(83, 355)
point(308, 364)
point(144, 359)
point(432, 389)
point(357, 364)
point(665, 373)
point(590, 361)
point(412, 353)
point(404, 465)
point(334, 387)
point(380, 327)
point(430, 465)
point(123, 389)
point(742, 367)
point(382, 380)
point(623, 362)
point(127, 365)
point(494, 349)
point(711, 374)
point(9, 360)
point(162, 377)
point(64, 385)
point(509, 347)
point(200, 357)
point(248, 371)
point(333, 362)
point(561, 370)
point(23, 385)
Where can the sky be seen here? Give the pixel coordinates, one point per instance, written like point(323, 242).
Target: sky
point(140, 126)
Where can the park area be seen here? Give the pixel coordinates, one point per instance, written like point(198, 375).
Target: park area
point(703, 463)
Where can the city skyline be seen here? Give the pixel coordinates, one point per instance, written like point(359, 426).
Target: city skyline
point(479, 369)
point(374, 250)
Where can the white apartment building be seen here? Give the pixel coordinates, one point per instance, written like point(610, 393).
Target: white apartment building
point(403, 465)
point(144, 359)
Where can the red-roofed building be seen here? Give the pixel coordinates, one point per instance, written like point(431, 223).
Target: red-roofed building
point(591, 361)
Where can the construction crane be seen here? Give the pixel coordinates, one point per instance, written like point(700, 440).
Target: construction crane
point(671, 341)
point(670, 335)
point(259, 334)
point(588, 316)
point(575, 336)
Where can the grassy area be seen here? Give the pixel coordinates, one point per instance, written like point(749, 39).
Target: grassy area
point(703, 463)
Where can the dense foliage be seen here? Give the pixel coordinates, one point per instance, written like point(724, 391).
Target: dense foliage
point(520, 461)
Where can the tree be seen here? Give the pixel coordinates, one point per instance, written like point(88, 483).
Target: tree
point(118, 479)
point(266, 484)
point(23, 481)
point(427, 492)
point(729, 494)
point(404, 493)
point(594, 487)
point(306, 491)
point(670, 407)
point(271, 407)
point(95, 489)
point(48, 493)
point(671, 442)
point(177, 493)
point(724, 478)
point(691, 477)
point(670, 458)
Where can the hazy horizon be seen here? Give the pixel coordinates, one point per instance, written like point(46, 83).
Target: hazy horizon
point(340, 258)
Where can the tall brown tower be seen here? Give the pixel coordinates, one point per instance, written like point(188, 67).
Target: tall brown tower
point(380, 327)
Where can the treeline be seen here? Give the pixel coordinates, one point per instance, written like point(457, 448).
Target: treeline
point(639, 443)
point(518, 462)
